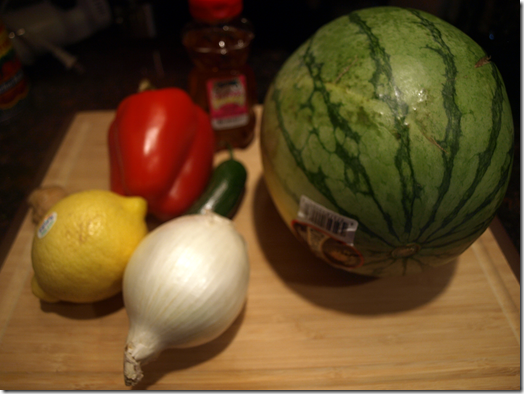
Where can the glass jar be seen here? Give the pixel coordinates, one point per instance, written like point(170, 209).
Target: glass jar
point(221, 82)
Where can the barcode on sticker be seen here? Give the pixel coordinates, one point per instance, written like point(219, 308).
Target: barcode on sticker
point(339, 226)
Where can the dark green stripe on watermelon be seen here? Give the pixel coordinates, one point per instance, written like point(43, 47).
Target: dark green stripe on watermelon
point(392, 96)
point(450, 144)
point(452, 141)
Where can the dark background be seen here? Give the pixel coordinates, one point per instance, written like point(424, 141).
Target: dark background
point(116, 58)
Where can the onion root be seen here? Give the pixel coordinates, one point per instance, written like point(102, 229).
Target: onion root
point(132, 369)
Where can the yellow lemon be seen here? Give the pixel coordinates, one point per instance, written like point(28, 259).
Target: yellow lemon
point(82, 245)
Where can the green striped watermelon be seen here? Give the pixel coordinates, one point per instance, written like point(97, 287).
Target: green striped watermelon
point(387, 141)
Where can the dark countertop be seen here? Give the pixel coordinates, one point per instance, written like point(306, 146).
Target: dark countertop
point(114, 64)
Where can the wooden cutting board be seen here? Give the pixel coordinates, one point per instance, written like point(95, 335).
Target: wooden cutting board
point(305, 326)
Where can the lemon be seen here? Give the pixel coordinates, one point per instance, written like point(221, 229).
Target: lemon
point(82, 245)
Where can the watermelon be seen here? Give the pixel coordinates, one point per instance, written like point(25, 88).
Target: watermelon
point(387, 141)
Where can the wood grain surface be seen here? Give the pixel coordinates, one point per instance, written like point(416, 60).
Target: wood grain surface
point(305, 326)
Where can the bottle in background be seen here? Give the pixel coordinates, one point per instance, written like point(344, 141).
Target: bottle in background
point(13, 83)
point(221, 82)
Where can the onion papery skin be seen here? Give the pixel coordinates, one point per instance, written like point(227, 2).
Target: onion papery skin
point(185, 284)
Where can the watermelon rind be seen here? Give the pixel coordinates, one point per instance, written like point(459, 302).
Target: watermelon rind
point(398, 120)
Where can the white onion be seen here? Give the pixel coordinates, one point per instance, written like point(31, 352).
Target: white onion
point(184, 286)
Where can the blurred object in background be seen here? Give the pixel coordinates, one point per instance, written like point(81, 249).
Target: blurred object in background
point(49, 25)
point(135, 18)
point(13, 83)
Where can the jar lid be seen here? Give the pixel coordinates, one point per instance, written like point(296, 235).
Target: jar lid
point(214, 10)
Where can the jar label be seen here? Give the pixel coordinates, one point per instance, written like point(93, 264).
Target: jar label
point(228, 102)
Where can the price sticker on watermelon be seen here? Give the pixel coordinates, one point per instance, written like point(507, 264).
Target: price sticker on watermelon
point(328, 234)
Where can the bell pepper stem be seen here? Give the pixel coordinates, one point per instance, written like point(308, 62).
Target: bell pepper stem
point(145, 84)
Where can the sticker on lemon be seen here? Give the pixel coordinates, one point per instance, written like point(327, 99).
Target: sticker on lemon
point(82, 245)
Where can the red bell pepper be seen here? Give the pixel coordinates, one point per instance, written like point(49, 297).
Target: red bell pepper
point(161, 147)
